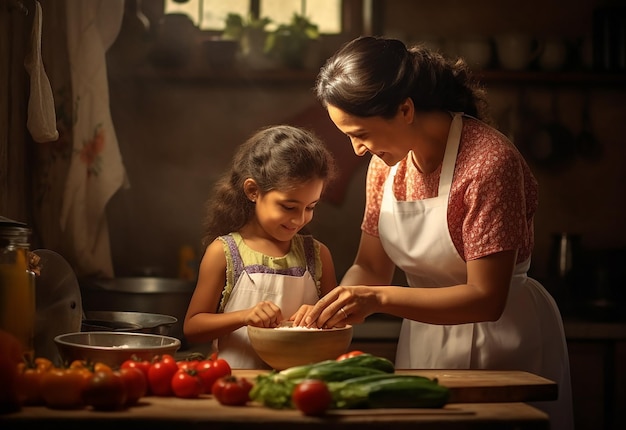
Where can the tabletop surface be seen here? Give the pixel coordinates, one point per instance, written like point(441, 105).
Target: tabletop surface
point(477, 397)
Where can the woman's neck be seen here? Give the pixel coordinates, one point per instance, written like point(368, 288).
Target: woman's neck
point(432, 129)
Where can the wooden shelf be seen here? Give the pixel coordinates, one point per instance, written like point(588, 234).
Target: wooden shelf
point(229, 76)
point(589, 78)
point(243, 76)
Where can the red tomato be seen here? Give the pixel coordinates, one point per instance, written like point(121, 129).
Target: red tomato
point(211, 370)
point(232, 391)
point(312, 397)
point(187, 384)
point(136, 384)
point(160, 375)
point(138, 363)
point(187, 364)
point(63, 388)
point(105, 390)
point(349, 355)
point(29, 385)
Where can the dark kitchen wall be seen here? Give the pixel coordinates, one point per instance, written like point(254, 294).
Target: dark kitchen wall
point(177, 135)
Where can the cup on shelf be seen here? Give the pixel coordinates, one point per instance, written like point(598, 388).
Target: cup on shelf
point(553, 54)
point(516, 51)
point(476, 50)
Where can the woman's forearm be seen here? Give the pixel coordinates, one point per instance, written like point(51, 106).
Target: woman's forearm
point(360, 275)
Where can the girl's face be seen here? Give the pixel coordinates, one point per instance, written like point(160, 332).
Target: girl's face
point(388, 139)
point(281, 214)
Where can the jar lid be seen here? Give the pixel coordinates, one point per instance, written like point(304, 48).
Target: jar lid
point(6, 222)
point(12, 230)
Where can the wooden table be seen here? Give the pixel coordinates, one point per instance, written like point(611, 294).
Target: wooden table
point(479, 399)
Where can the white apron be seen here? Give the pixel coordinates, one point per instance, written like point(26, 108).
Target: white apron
point(529, 335)
point(254, 285)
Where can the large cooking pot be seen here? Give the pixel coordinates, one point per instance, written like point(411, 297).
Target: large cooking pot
point(166, 296)
point(134, 322)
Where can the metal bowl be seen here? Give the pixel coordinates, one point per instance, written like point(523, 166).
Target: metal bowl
point(286, 347)
point(113, 348)
point(166, 296)
point(134, 322)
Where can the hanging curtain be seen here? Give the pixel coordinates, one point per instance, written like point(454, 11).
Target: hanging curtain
point(79, 173)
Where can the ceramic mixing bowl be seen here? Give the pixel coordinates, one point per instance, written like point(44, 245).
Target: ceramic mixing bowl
point(288, 346)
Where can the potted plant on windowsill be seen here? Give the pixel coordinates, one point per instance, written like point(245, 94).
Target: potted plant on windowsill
point(251, 34)
point(293, 44)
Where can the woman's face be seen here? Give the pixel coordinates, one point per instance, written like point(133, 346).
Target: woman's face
point(282, 214)
point(388, 139)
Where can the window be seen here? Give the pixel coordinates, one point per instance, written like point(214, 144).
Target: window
point(211, 14)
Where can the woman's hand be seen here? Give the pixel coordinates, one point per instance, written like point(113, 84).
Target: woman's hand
point(343, 305)
point(264, 314)
point(298, 317)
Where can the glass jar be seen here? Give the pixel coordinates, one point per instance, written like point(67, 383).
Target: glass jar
point(17, 284)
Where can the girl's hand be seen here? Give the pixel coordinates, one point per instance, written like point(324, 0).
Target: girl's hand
point(264, 314)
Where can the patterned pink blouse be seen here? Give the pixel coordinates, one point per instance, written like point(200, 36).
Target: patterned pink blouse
point(492, 200)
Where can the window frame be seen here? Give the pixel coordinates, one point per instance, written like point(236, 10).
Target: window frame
point(356, 18)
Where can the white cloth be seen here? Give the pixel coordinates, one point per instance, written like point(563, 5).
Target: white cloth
point(41, 122)
point(286, 291)
point(96, 169)
point(529, 335)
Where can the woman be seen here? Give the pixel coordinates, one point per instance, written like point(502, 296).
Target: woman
point(450, 201)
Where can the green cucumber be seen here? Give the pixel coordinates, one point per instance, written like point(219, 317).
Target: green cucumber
point(369, 360)
point(299, 372)
point(407, 393)
point(389, 391)
point(340, 372)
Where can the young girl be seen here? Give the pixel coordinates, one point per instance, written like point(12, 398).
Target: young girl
point(257, 268)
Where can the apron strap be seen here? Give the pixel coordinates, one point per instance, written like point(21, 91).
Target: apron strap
point(449, 158)
point(309, 253)
point(238, 267)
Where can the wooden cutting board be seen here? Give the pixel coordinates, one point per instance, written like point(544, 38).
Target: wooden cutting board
point(476, 403)
point(480, 386)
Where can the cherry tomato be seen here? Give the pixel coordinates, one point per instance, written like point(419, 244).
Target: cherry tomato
point(138, 363)
point(210, 370)
point(160, 375)
point(232, 391)
point(136, 384)
point(63, 388)
point(105, 390)
point(349, 355)
point(187, 384)
point(39, 363)
point(29, 382)
point(312, 397)
point(90, 366)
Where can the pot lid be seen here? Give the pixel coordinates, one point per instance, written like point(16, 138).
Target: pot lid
point(59, 303)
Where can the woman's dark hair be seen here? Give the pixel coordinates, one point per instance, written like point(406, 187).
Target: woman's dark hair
point(278, 157)
point(372, 76)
